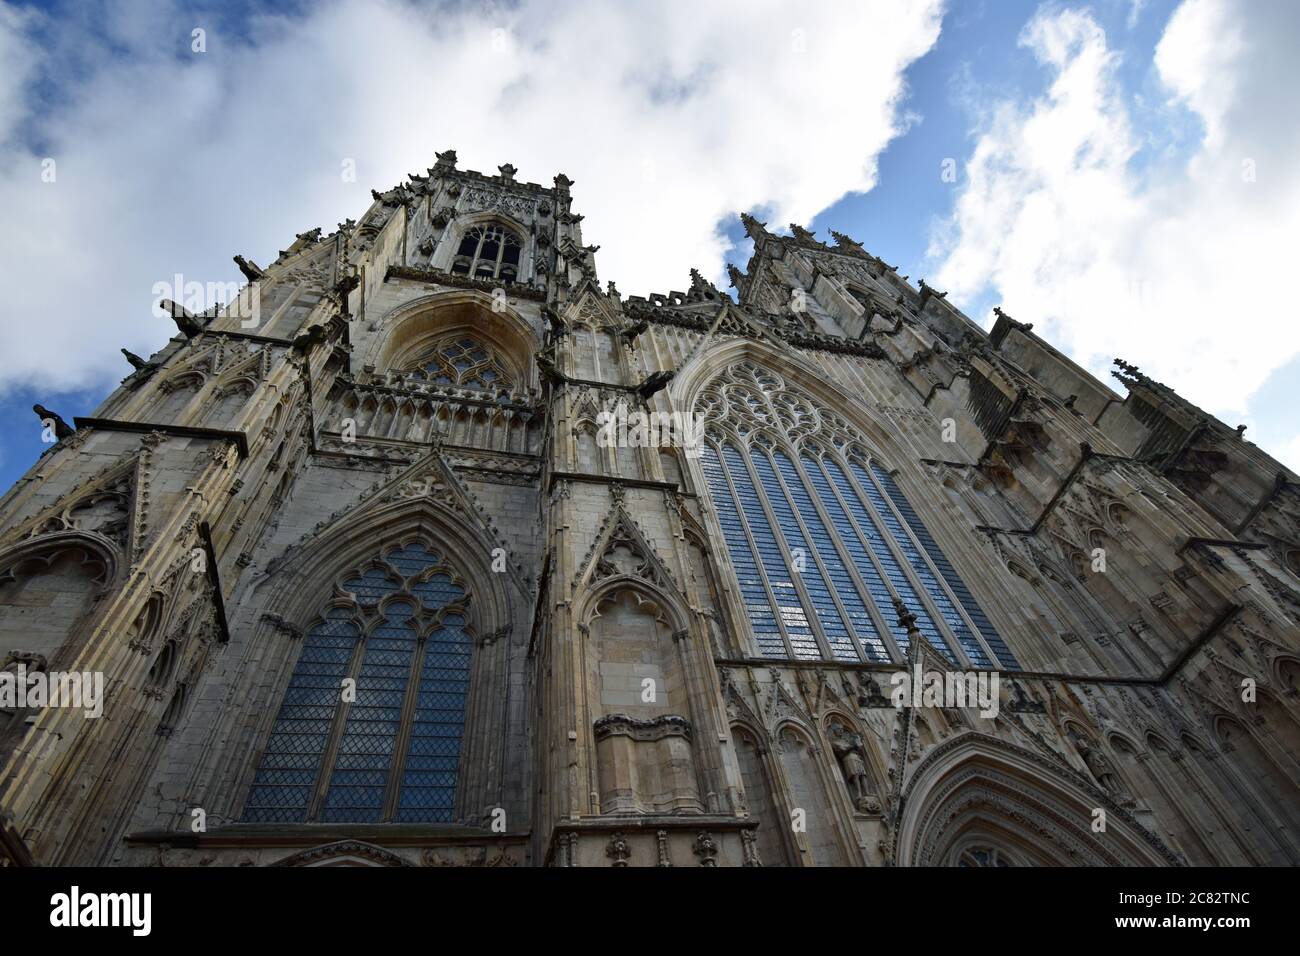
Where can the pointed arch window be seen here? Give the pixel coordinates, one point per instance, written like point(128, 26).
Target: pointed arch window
point(389, 751)
point(465, 362)
point(821, 537)
point(982, 856)
point(489, 251)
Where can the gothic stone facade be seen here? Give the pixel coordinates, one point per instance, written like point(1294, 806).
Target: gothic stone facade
point(367, 586)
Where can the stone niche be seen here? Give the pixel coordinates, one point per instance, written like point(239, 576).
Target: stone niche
point(645, 756)
point(646, 766)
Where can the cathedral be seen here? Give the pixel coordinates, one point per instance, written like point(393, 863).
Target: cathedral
point(430, 549)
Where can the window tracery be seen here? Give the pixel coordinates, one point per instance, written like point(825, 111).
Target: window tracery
point(822, 539)
point(488, 251)
point(466, 362)
point(395, 631)
point(979, 856)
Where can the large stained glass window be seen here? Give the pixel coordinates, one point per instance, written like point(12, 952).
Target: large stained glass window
point(823, 541)
point(371, 725)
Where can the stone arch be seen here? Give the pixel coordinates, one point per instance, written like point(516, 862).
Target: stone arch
point(417, 325)
point(974, 787)
point(753, 760)
point(1286, 674)
point(309, 573)
point(227, 400)
point(299, 586)
point(1291, 561)
point(777, 412)
point(808, 789)
point(449, 245)
point(176, 395)
point(1263, 773)
point(875, 774)
point(343, 853)
point(48, 589)
point(637, 670)
point(1221, 789)
point(709, 363)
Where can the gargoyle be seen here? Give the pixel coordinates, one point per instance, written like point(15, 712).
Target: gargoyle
point(306, 341)
point(251, 270)
point(653, 383)
point(62, 429)
point(550, 373)
point(138, 363)
point(185, 320)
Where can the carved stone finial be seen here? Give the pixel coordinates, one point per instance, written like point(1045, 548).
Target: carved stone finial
point(706, 849)
point(735, 275)
point(618, 850)
point(844, 242)
point(445, 160)
point(753, 228)
point(906, 619)
point(507, 172)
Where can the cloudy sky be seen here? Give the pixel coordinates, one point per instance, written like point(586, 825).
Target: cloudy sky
point(1125, 174)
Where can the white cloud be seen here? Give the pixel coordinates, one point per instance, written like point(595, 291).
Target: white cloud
point(1182, 266)
point(668, 120)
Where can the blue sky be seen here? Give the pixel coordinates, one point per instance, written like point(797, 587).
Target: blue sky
point(1100, 151)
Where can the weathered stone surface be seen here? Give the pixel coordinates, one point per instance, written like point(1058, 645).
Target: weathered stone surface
point(1128, 561)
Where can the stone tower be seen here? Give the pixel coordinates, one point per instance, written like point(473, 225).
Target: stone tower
point(429, 550)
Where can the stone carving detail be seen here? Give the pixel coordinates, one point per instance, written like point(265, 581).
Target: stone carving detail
point(618, 850)
point(848, 750)
point(1102, 769)
point(706, 849)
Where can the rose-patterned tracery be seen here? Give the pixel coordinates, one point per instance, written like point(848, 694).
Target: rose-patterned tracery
point(372, 721)
point(466, 362)
point(822, 539)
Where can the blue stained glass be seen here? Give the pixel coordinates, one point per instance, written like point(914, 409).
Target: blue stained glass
point(361, 769)
point(860, 618)
point(945, 568)
point(837, 632)
point(758, 606)
point(371, 586)
point(356, 793)
point(438, 591)
point(433, 755)
point(969, 643)
point(285, 778)
point(893, 571)
point(793, 615)
point(412, 559)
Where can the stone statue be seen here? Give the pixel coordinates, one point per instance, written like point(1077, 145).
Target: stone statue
point(1101, 768)
point(847, 747)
